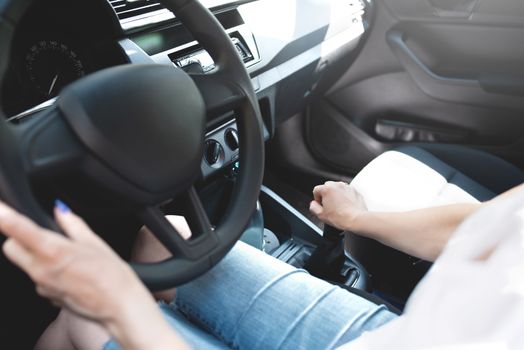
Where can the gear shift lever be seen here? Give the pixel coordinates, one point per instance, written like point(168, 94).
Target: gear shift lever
point(331, 233)
point(328, 257)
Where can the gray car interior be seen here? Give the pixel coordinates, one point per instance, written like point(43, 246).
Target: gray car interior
point(311, 91)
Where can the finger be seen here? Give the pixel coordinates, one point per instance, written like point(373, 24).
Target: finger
point(19, 227)
point(34, 262)
point(315, 208)
point(72, 225)
point(18, 255)
point(318, 192)
point(49, 293)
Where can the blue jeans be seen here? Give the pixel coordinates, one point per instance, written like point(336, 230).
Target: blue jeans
point(253, 301)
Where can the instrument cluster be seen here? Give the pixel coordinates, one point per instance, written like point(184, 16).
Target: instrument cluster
point(56, 43)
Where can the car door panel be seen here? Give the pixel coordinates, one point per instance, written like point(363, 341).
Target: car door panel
point(435, 71)
point(455, 79)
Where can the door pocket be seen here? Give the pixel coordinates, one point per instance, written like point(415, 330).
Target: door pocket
point(395, 131)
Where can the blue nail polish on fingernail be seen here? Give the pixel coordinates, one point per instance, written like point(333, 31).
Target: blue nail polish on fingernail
point(61, 206)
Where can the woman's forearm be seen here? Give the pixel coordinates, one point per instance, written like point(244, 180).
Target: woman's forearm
point(139, 324)
point(422, 233)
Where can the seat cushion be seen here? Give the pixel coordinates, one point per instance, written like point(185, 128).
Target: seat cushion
point(411, 177)
point(493, 173)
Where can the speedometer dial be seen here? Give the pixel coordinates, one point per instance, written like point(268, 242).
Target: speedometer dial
point(51, 65)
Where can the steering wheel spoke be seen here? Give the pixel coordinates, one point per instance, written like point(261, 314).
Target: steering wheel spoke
point(47, 146)
point(203, 239)
point(196, 215)
point(221, 95)
point(155, 220)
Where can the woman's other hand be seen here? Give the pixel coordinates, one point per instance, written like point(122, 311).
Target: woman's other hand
point(337, 204)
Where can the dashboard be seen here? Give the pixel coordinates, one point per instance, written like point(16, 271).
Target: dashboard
point(292, 50)
point(288, 47)
point(52, 48)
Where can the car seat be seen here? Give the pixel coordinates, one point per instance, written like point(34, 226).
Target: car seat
point(414, 177)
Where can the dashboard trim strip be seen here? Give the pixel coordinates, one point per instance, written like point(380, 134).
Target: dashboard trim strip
point(38, 108)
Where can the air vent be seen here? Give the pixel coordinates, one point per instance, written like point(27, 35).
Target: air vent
point(129, 9)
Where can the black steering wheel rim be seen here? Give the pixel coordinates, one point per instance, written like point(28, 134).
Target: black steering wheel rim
point(227, 88)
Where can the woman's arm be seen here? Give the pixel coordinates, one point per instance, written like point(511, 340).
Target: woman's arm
point(422, 233)
point(81, 273)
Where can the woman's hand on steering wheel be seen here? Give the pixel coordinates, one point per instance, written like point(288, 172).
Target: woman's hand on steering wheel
point(80, 272)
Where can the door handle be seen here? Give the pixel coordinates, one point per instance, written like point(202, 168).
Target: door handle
point(418, 69)
point(453, 8)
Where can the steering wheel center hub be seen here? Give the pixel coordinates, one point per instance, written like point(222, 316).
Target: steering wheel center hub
point(134, 118)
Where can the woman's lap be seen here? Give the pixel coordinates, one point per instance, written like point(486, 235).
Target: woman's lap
point(253, 301)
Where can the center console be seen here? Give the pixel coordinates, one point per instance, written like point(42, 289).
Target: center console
point(288, 47)
point(278, 229)
point(299, 239)
point(192, 58)
point(221, 142)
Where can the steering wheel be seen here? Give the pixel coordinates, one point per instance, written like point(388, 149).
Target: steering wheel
point(138, 130)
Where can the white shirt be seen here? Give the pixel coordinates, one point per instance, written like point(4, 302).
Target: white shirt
point(473, 296)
